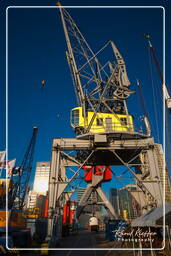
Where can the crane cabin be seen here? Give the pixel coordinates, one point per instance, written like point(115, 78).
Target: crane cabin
point(100, 122)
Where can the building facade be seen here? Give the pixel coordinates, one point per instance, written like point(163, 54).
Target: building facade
point(40, 185)
point(124, 203)
point(32, 197)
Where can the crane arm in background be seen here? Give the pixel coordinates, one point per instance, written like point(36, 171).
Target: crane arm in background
point(21, 176)
point(165, 90)
point(145, 117)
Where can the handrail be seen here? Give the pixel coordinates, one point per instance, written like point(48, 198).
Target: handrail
point(114, 127)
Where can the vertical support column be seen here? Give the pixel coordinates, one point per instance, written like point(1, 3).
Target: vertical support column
point(53, 188)
point(153, 182)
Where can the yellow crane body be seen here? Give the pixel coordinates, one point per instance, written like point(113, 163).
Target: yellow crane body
point(101, 122)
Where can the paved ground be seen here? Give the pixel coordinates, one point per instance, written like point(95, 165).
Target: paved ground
point(84, 239)
point(90, 240)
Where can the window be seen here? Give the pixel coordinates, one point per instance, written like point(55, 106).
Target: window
point(123, 120)
point(75, 117)
point(99, 121)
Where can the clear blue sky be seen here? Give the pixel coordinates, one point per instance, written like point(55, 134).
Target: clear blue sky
point(37, 52)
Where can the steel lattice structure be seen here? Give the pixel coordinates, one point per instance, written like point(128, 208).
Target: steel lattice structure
point(21, 176)
point(99, 86)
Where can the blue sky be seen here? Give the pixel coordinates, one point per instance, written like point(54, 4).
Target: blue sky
point(37, 52)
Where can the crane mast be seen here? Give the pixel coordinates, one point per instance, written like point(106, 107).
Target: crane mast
point(100, 86)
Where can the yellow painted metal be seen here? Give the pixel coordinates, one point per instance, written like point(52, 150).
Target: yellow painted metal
point(32, 213)
point(103, 122)
point(32, 216)
point(15, 219)
point(125, 214)
point(3, 184)
point(44, 246)
point(3, 250)
point(3, 218)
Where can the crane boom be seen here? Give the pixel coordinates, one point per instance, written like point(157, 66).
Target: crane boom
point(99, 87)
point(71, 60)
point(21, 176)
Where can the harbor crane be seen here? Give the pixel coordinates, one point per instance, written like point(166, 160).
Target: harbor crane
point(105, 134)
point(101, 89)
point(17, 186)
point(21, 175)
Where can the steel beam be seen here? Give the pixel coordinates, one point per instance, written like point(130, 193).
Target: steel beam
point(76, 144)
point(105, 202)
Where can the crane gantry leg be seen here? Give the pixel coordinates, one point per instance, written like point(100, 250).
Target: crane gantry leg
point(142, 157)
